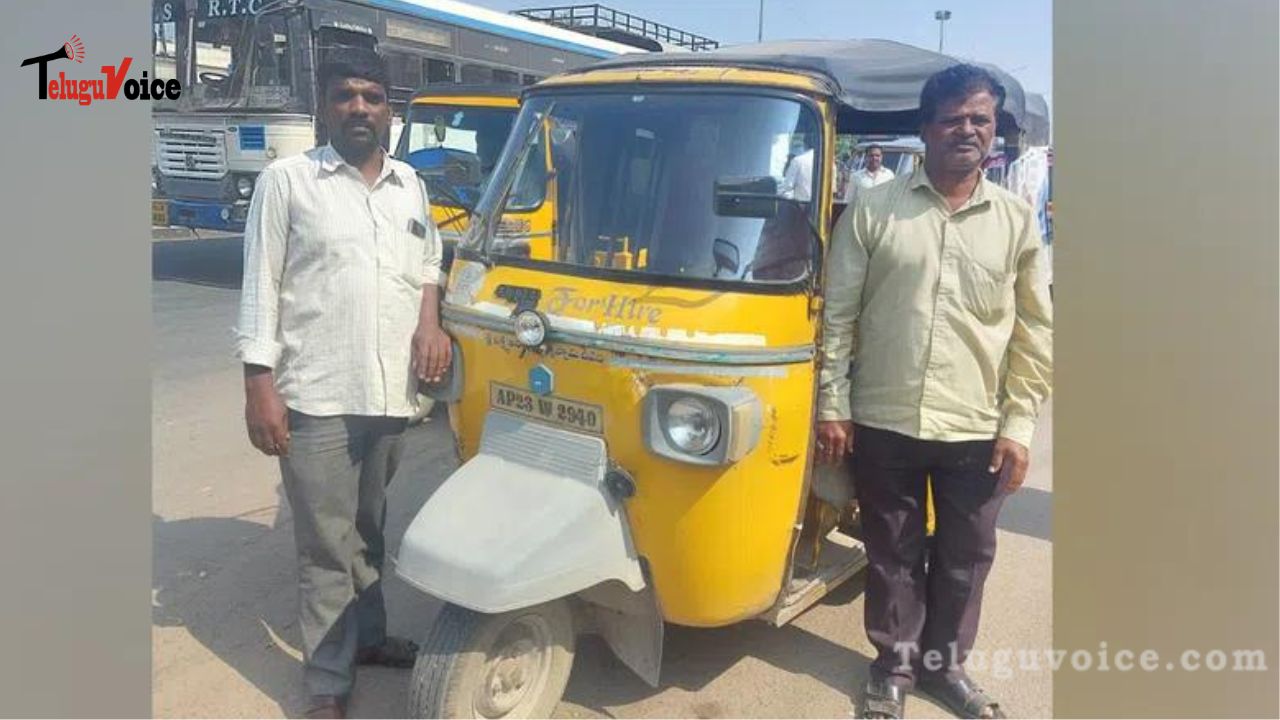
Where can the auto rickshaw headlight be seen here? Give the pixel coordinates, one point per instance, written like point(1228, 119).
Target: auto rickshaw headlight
point(531, 328)
point(701, 425)
point(692, 426)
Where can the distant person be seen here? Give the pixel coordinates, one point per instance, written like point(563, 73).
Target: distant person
point(872, 174)
point(936, 281)
point(338, 323)
point(797, 178)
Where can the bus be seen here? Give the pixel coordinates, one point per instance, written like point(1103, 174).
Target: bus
point(248, 73)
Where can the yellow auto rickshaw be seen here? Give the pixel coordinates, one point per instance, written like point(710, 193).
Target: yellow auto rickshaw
point(453, 135)
point(634, 405)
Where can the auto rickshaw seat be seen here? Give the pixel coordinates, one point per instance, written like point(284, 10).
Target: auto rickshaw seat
point(783, 250)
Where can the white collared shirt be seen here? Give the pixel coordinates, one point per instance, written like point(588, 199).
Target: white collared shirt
point(863, 179)
point(333, 281)
point(797, 181)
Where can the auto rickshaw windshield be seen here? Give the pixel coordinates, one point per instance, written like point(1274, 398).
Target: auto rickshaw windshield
point(439, 134)
point(700, 186)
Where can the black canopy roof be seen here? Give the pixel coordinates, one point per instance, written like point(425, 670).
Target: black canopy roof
point(1037, 120)
point(878, 80)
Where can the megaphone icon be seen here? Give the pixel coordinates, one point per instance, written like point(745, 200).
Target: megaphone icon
point(72, 49)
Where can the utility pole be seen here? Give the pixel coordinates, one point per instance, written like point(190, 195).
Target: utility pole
point(760, 28)
point(942, 16)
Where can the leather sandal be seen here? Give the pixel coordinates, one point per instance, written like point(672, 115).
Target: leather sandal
point(393, 652)
point(882, 699)
point(327, 706)
point(961, 696)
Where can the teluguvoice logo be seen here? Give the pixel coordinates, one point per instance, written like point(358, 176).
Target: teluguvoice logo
point(108, 87)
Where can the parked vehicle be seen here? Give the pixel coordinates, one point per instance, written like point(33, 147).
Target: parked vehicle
point(635, 404)
point(249, 87)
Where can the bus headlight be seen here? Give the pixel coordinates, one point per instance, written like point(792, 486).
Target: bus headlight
point(702, 425)
point(244, 186)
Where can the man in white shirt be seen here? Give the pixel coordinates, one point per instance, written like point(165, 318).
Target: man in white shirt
point(872, 174)
point(797, 178)
point(338, 323)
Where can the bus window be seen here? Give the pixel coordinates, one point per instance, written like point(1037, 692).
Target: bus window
point(506, 77)
point(439, 71)
point(477, 75)
point(405, 71)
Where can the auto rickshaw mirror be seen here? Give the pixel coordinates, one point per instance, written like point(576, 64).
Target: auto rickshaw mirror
point(753, 197)
point(727, 256)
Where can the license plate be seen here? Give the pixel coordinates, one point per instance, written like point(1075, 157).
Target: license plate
point(547, 408)
point(160, 213)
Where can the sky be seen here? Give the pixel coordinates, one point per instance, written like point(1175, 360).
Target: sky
point(1016, 35)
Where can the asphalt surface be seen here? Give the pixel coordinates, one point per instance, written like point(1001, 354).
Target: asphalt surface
point(225, 639)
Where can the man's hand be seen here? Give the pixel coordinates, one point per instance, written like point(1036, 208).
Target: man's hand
point(432, 352)
point(265, 416)
point(1010, 459)
point(835, 440)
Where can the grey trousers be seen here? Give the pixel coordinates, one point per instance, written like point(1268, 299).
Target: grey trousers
point(335, 477)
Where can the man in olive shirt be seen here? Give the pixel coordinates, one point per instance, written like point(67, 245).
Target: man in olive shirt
point(937, 278)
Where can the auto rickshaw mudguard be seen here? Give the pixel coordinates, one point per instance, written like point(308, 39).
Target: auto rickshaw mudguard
point(525, 521)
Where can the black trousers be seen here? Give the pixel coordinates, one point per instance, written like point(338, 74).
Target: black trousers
point(911, 611)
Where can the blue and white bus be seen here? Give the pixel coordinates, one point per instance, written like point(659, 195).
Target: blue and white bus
point(249, 88)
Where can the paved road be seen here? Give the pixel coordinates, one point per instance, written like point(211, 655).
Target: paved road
point(225, 640)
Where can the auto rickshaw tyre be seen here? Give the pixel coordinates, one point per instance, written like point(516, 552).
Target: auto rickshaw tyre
point(463, 669)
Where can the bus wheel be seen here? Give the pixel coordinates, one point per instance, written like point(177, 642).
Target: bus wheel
point(511, 665)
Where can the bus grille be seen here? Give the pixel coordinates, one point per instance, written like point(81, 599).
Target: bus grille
point(199, 155)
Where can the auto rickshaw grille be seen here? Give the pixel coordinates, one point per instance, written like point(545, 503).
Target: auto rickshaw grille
point(569, 454)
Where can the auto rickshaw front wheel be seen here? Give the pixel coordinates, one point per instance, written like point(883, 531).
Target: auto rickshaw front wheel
point(510, 665)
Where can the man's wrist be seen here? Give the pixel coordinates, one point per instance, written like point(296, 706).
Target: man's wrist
point(258, 377)
point(1019, 429)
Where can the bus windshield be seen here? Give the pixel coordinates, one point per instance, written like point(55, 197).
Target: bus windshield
point(244, 62)
point(164, 51)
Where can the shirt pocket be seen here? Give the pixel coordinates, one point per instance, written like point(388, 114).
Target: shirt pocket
point(409, 252)
point(986, 293)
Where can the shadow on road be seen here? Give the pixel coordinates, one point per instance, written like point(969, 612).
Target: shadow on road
point(693, 658)
point(232, 584)
point(216, 577)
point(216, 262)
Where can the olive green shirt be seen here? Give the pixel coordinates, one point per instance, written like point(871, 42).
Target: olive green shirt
point(945, 316)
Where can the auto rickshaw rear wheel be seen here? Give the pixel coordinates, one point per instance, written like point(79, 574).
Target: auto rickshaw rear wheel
point(510, 665)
